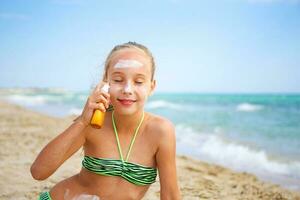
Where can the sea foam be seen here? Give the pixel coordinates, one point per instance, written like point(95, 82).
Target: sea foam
point(247, 107)
point(26, 100)
point(218, 149)
point(75, 111)
point(163, 104)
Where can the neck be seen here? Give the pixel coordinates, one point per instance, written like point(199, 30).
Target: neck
point(126, 124)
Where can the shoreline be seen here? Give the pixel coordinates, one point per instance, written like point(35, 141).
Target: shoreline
point(286, 182)
point(24, 132)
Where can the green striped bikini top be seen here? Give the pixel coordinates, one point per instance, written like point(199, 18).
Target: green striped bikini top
point(132, 172)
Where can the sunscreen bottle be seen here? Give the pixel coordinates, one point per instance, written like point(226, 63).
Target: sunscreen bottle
point(98, 116)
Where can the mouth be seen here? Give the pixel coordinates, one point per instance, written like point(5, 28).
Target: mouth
point(126, 101)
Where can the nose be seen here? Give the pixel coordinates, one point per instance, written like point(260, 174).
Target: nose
point(127, 88)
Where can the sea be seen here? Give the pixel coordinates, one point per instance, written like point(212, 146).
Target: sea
point(255, 133)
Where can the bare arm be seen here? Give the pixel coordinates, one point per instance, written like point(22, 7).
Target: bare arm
point(166, 162)
point(68, 142)
point(58, 150)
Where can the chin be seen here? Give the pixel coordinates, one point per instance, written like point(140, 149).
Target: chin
point(126, 111)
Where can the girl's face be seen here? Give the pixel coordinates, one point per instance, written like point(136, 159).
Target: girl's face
point(129, 76)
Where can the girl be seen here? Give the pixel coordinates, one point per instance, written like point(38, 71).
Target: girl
point(121, 160)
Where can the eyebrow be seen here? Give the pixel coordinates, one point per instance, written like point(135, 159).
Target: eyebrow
point(141, 75)
point(118, 73)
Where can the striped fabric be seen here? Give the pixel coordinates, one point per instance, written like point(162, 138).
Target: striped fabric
point(134, 173)
point(44, 196)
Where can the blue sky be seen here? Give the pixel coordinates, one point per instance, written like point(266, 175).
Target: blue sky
point(199, 46)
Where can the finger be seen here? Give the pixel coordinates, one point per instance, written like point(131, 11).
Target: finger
point(95, 95)
point(98, 106)
point(106, 95)
point(101, 99)
point(101, 107)
point(92, 105)
point(99, 96)
point(108, 99)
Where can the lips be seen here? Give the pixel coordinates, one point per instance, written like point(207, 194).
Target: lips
point(126, 101)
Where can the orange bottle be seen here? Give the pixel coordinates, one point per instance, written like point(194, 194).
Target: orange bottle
point(98, 116)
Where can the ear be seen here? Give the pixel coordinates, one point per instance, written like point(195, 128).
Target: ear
point(153, 86)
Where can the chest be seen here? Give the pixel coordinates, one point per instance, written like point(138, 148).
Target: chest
point(103, 144)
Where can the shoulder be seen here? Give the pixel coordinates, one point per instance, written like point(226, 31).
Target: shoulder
point(162, 128)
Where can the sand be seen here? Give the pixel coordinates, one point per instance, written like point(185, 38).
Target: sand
point(23, 133)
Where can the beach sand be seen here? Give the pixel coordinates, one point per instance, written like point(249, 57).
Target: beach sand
point(23, 133)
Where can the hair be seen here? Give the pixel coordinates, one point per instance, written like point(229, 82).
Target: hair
point(129, 45)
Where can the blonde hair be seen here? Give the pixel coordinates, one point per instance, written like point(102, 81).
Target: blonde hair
point(129, 45)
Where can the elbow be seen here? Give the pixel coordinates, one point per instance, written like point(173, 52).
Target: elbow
point(36, 173)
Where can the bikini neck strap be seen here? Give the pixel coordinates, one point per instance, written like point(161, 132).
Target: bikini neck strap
point(132, 140)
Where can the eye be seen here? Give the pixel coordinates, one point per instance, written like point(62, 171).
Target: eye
point(117, 80)
point(139, 82)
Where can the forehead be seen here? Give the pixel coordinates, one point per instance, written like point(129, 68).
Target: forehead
point(131, 54)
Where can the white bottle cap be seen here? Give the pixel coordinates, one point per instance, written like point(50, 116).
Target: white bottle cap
point(105, 88)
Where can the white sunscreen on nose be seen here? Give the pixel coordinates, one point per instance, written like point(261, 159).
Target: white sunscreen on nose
point(128, 63)
point(127, 88)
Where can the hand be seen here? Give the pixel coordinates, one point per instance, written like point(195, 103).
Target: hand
point(98, 99)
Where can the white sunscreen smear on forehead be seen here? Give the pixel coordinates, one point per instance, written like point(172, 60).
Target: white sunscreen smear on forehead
point(128, 63)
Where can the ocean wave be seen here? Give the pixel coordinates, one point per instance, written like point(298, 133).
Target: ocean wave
point(217, 149)
point(163, 104)
point(75, 111)
point(247, 107)
point(83, 97)
point(27, 100)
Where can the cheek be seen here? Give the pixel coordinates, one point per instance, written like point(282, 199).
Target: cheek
point(114, 90)
point(143, 92)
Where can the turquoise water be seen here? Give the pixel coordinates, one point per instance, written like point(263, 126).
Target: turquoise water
point(257, 133)
point(262, 121)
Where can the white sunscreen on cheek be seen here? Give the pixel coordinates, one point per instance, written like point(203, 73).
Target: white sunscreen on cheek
point(105, 88)
point(128, 63)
